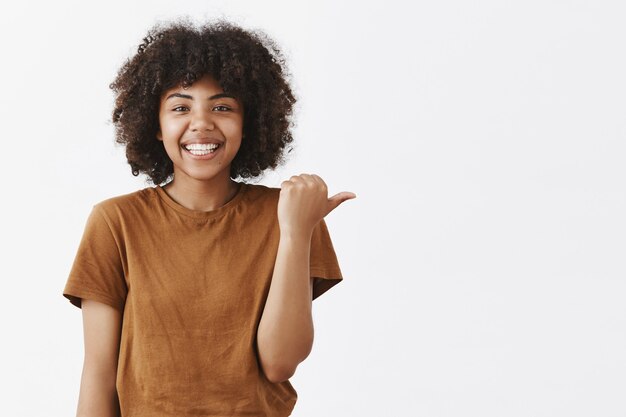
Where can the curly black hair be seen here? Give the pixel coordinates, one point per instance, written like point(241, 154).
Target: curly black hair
point(246, 64)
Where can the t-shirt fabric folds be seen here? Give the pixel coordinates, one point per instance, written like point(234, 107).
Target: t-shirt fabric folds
point(191, 286)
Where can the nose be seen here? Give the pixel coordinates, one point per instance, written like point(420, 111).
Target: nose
point(201, 120)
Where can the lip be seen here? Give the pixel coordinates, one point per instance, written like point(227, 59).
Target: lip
point(204, 140)
point(202, 157)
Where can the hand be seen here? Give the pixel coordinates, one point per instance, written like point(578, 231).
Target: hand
point(304, 201)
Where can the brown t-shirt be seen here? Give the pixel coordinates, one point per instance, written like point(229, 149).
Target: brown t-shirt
point(192, 286)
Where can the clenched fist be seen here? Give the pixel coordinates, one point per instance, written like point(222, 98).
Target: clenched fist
point(304, 201)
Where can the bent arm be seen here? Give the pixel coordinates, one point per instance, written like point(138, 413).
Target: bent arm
point(285, 333)
point(102, 327)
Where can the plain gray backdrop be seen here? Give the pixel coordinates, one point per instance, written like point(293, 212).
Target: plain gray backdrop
point(484, 255)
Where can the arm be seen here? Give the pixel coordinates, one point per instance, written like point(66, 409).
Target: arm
point(285, 333)
point(101, 327)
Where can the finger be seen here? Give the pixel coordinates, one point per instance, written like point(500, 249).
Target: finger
point(319, 180)
point(320, 184)
point(308, 179)
point(305, 179)
point(339, 198)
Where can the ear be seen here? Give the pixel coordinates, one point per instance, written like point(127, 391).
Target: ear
point(159, 136)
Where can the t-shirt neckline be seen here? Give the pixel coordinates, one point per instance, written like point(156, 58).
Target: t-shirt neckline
point(199, 214)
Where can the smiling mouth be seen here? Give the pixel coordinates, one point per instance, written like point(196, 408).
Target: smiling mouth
point(200, 149)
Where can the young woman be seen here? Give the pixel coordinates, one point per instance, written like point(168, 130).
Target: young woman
point(197, 293)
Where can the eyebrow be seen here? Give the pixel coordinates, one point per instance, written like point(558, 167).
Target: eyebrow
point(187, 96)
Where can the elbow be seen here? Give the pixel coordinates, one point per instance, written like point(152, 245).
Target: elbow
point(280, 366)
point(279, 372)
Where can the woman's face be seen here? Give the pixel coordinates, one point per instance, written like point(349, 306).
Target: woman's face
point(201, 128)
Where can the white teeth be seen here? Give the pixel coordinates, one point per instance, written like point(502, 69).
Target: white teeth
point(198, 153)
point(201, 146)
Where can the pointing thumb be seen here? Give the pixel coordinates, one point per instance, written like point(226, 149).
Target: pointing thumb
point(339, 198)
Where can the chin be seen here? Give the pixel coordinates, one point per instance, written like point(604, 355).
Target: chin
point(206, 176)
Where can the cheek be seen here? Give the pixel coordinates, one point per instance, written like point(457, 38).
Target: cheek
point(238, 129)
point(234, 126)
point(171, 129)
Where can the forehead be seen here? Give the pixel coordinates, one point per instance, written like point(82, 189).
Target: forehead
point(202, 86)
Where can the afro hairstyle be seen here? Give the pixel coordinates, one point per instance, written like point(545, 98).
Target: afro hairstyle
point(246, 64)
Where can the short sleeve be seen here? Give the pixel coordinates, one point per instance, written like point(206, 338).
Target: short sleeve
point(323, 261)
point(97, 272)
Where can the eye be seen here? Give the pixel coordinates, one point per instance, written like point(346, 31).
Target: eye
point(180, 109)
point(221, 107)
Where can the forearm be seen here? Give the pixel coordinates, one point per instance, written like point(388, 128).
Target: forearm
point(285, 333)
point(98, 395)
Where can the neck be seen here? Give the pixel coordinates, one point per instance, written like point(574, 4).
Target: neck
point(200, 194)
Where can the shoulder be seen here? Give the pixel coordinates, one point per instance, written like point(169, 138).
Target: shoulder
point(125, 204)
point(258, 193)
point(261, 202)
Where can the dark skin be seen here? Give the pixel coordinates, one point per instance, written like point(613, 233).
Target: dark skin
point(201, 113)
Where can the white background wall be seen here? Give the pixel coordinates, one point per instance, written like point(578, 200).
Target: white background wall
point(484, 256)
